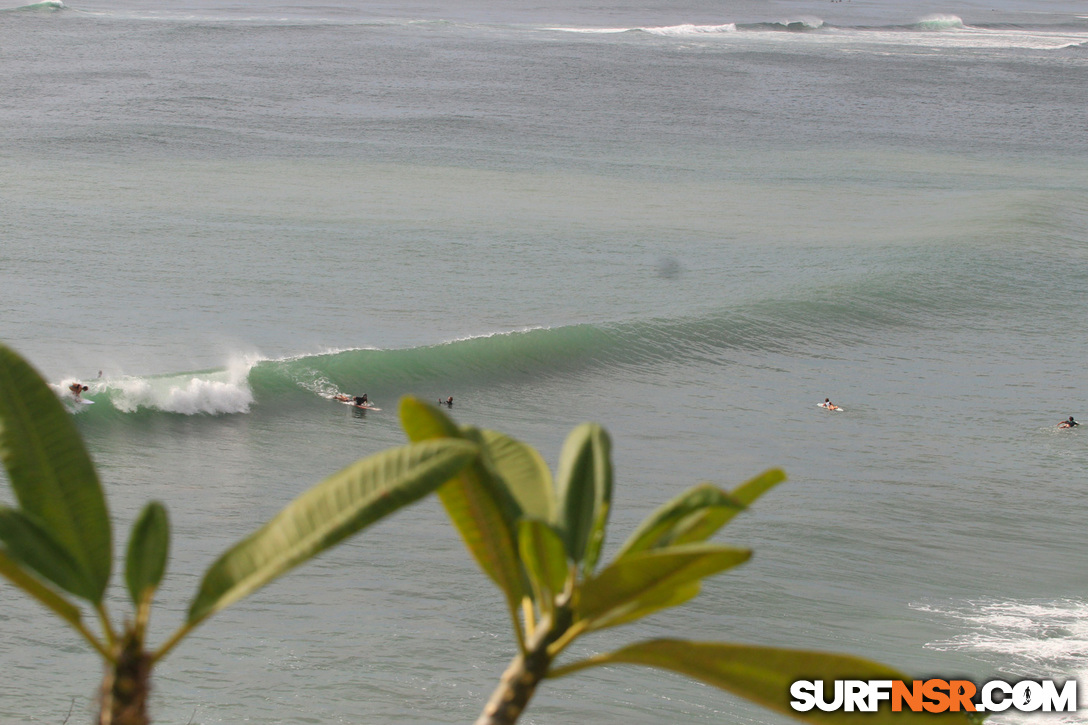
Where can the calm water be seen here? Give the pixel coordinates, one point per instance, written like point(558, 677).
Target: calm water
point(688, 221)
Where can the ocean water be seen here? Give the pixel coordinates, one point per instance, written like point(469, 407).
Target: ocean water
point(688, 221)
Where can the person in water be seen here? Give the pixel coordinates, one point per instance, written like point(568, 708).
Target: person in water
point(78, 389)
point(828, 404)
point(447, 402)
point(1068, 423)
point(356, 399)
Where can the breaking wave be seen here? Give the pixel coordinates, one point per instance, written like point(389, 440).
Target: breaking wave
point(819, 321)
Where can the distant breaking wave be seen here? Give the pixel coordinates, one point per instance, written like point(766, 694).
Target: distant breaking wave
point(948, 31)
point(689, 29)
point(822, 322)
point(46, 6)
point(940, 22)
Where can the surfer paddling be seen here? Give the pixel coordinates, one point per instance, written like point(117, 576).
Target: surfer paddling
point(357, 400)
point(829, 405)
point(1068, 423)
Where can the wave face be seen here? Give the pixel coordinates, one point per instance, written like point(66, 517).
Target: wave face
point(815, 323)
point(943, 30)
point(940, 22)
point(46, 6)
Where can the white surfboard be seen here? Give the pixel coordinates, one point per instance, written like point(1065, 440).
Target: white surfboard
point(836, 409)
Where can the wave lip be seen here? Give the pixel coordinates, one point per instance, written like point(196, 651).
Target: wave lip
point(221, 392)
point(800, 25)
point(940, 21)
point(690, 29)
point(45, 6)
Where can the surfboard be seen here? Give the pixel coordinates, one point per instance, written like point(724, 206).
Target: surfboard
point(836, 409)
point(81, 401)
point(366, 407)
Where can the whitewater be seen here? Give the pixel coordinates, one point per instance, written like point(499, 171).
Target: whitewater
point(690, 222)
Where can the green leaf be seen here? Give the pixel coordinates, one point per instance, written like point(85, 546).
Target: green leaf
point(645, 582)
point(764, 675)
point(701, 525)
point(32, 546)
point(476, 503)
point(334, 509)
point(752, 489)
point(584, 484)
point(148, 548)
point(693, 510)
point(424, 422)
point(697, 514)
point(545, 560)
point(50, 471)
point(60, 606)
point(525, 473)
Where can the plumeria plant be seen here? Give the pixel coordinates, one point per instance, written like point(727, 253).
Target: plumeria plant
point(540, 539)
point(57, 544)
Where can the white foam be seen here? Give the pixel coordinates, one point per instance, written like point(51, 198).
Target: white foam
point(1023, 639)
point(592, 31)
point(215, 393)
point(813, 23)
point(685, 30)
point(932, 31)
point(939, 21)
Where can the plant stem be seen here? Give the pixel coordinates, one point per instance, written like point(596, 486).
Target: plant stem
point(516, 622)
point(529, 615)
point(127, 683)
point(99, 647)
point(104, 617)
point(172, 642)
point(525, 672)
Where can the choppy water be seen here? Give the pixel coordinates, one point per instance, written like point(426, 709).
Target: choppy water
point(689, 222)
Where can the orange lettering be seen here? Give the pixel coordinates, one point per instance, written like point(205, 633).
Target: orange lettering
point(961, 692)
point(935, 690)
point(913, 696)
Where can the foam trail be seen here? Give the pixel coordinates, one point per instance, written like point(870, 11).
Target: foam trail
point(682, 30)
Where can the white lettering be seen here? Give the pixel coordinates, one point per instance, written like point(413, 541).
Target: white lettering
point(989, 704)
point(1027, 696)
point(823, 704)
point(803, 693)
point(856, 696)
point(1055, 701)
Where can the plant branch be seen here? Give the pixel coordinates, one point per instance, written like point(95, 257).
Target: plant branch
point(518, 632)
point(525, 672)
point(593, 661)
point(530, 616)
point(104, 617)
point(172, 642)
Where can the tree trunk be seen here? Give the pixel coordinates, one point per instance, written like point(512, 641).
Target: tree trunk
point(525, 672)
point(126, 686)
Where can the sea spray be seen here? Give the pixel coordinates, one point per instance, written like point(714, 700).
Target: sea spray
point(211, 393)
